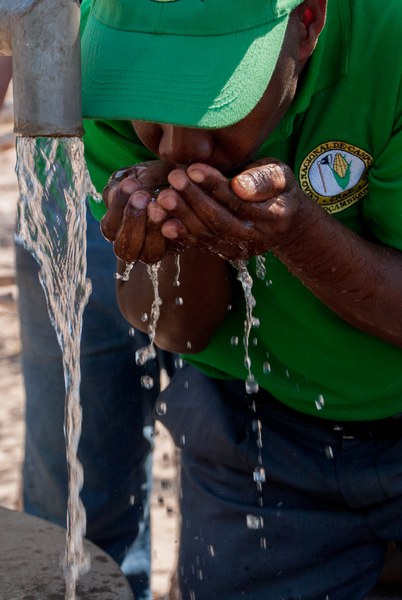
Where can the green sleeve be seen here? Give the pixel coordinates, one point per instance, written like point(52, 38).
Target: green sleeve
point(110, 146)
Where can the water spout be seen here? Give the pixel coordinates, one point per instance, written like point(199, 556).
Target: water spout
point(43, 37)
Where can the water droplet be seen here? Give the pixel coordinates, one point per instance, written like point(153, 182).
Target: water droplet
point(126, 275)
point(263, 543)
point(256, 425)
point(266, 367)
point(252, 386)
point(259, 475)
point(211, 550)
point(176, 281)
point(132, 500)
point(247, 362)
point(229, 307)
point(179, 301)
point(144, 354)
point(320, 402)
point(268, 282)
point(178, 362)
point(255, 341)
point(183, 440)
point(255, 322)
point(131, 332)
point(254, 522)
point(161, 408)
point(329, 453)
point(260, 270)
point(234, 340)
point(147, 382)
point(188, 344)
point(144, 317)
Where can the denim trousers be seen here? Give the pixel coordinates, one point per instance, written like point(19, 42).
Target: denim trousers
point(276, 505)
point(115, 446)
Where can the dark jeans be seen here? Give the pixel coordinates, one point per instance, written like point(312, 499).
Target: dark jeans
point(115, 453)
point(316, 529)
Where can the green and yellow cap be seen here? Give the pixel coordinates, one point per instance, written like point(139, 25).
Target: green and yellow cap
point(196, 63)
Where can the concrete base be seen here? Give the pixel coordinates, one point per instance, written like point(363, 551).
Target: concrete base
point(30, 551)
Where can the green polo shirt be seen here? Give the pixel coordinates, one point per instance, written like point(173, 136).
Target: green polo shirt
point(343, 139)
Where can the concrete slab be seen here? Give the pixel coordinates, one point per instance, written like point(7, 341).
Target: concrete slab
point(30, 552)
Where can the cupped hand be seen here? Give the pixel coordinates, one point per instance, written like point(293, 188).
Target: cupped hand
point(238, 219)
point(133, 220)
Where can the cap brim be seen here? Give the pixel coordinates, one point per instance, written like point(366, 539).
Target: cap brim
point(210, 82)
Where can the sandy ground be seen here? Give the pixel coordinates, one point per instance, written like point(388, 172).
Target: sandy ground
point(164, 499)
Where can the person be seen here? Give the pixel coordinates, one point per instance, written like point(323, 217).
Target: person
point(116, 404)
point(275, 127)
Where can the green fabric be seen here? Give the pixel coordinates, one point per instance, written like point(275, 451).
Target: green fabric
point(343, 134)
point(110, 146)
point(305, 353)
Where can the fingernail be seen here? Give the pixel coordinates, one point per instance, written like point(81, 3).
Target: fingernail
point(155, 212)
point(178, 180)
point(139, 200)
point(196, 175)
point(246, 182)
point(168, 201)
point(168, 231)
point(129, 186)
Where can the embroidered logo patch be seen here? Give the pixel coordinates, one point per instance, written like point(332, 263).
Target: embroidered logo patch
point(335, 175)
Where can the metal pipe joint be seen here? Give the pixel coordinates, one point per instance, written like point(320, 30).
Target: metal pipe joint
point(43, 37)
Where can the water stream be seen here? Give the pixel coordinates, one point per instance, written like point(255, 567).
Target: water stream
point(54, 182)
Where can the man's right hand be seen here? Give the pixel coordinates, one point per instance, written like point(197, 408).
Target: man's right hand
point(133, 219)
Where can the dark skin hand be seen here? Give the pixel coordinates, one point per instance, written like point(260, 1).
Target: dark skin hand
point(211, 220)
point(199, 208)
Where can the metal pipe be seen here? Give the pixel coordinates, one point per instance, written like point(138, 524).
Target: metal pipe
point(43, 37)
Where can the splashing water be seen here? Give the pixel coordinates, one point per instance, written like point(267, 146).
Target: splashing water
point(261, 269)
point(148, 352)
point(176, 281)
point(54, 183)
point(246, 281)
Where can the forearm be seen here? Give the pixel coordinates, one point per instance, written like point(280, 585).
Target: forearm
point(358, 280)
point(190, 312)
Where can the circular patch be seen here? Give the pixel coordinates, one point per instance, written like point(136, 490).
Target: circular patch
point(335, 175)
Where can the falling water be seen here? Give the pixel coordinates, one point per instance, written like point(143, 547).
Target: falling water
point(246, 281)
point(148, 352)
point(54, 183)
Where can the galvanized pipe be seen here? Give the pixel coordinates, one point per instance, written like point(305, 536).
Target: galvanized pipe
point(43, 37)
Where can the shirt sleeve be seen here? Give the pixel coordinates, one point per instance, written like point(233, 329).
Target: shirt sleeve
point(110, 146)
